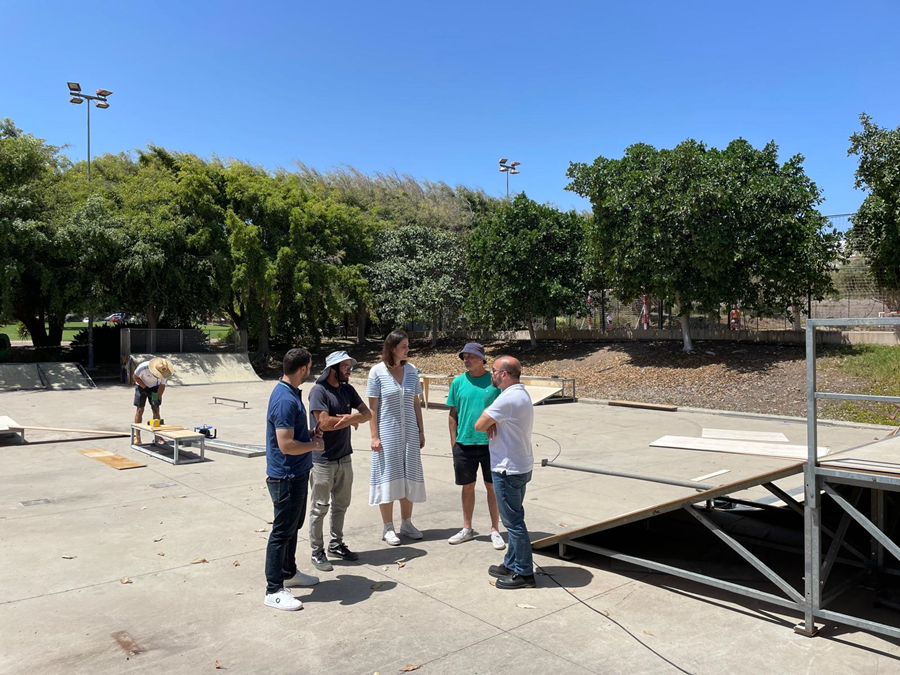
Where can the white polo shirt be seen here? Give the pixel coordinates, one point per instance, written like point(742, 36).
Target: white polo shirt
point(144, 377)
point(511, 445)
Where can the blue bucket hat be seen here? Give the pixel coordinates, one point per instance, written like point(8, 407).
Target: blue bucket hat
point(474, 349)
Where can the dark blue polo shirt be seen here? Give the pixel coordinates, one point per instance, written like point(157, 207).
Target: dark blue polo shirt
point(286, 412)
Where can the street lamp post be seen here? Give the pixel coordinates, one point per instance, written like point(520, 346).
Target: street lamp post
point(77, 97)
point(508, 169)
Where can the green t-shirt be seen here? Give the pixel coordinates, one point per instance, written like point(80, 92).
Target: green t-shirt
point(470, 396)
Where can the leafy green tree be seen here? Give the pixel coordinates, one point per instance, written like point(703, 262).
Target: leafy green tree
point(524, 263)
point(876, 226)
point(700, 227)
point(174, 259)
point(419, 273)
point(31, 269)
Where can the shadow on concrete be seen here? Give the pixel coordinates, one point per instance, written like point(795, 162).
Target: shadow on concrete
point(389, 555)
point(568, 577)
point(348, 589)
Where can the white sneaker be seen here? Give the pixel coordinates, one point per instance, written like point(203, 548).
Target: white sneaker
point(497, 540)
point(407, 529)
point(283, 600)
point(464, 534)
point(301, 579)
point(391, 538)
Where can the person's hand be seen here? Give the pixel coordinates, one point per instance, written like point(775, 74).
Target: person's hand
point(376, 445)
point(421, 440)
point(318, 433)
point(318, 443)
point(342, 422)
point(492, 431)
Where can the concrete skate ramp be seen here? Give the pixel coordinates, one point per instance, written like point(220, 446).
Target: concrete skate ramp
point(46, 375)
point(191, 369)
point(14, 376)
point(65, 376)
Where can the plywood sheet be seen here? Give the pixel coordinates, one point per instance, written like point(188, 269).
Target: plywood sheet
point(881, 457)
point(782, 451)
point(539, 394)
point(738, 435)
point(7, 422)
point(111, 459)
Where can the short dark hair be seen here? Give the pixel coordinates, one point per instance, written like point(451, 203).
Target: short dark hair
point(295, 359)
point(390, 342)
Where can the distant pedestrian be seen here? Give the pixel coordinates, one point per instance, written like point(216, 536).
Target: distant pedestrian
point(508, 421)
point(332, 402)
point(288, 462)
point(398, 436)
point(470, 393)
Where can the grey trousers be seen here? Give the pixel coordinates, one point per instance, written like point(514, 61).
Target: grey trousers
point(329, 484)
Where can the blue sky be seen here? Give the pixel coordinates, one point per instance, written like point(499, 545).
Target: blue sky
point(442, 90)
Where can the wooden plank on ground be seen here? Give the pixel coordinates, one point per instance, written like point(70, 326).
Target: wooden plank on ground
point(90, 432)
point(779, 450)
point(111, 459)
point(649, 406)
point(738, 435)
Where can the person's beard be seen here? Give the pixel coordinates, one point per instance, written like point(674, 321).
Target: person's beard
point(342, 377)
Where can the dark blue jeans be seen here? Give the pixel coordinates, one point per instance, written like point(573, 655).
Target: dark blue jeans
point(510, 492)
point(289, 498)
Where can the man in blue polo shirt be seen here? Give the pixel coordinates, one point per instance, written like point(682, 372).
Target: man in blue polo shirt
point(288, 463)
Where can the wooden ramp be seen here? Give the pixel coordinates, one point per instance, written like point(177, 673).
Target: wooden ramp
point(882, 457)
point(540, 394)
point(620, 501)
point(785, 451)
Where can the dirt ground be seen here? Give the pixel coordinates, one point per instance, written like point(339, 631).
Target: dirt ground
point(768, 379)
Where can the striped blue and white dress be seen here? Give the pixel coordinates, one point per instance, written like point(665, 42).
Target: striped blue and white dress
point(397, 469)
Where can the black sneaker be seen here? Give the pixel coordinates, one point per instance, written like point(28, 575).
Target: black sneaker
point(341, 551)
point(320, 561)
point(516, 581)
point(498, 571)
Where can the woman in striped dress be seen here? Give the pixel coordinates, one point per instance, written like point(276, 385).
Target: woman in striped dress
point(398, 437)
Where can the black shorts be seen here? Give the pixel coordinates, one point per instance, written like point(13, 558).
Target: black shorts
point(466, 460)
point(140, 396)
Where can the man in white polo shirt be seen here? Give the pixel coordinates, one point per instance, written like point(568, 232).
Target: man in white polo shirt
point(508, 422)
point(150, 380)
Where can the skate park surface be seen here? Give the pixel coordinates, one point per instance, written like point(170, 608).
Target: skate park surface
point(71, 529)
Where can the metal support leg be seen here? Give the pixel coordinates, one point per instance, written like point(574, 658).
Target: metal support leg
point(877, 534)
point(877, 513)
point(836, 542)
point(760, 566)
point(564, 552)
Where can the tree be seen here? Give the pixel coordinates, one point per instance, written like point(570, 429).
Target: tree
point(700, 227)
point(419, 273)
point(30, 255)
point(524, 263)
point(876, 225)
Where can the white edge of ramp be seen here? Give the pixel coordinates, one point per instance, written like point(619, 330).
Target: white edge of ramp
point(736, 447)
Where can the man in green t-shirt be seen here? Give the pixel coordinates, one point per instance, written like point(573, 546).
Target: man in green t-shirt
point(470, 393)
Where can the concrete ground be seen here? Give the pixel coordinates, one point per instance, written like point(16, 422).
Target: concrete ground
point(71, 528)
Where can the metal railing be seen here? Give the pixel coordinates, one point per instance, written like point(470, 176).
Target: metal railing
point(820, 481)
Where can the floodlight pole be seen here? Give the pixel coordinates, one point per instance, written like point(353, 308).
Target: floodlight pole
point(76, 97)
point(508, 169)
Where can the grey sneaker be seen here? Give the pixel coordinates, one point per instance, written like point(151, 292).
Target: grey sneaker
point(320, 561)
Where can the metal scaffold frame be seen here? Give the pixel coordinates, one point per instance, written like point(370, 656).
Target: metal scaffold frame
point(820, 481)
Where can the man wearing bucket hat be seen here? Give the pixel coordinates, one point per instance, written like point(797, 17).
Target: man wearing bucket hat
point(150, 379)
point(332, 401)
point(470, 393)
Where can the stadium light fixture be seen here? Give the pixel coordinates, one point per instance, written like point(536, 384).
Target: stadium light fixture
point(508, 169)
